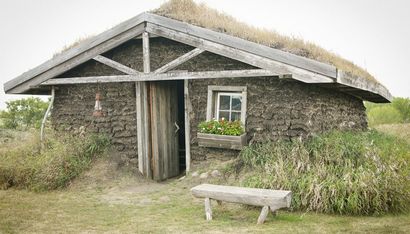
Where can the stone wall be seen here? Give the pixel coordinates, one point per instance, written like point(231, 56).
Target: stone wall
point(280, 109)
point(74, 105)
point(276, 108)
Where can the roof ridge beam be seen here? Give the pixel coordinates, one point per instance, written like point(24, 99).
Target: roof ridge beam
point(116, 65)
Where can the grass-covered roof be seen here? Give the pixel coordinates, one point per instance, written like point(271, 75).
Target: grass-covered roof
point(203, 16)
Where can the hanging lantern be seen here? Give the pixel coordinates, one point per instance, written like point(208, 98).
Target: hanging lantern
point(97, 108)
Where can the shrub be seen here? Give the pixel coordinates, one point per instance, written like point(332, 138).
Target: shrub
point(222, 127)
point(345, 173)
point(23, 165)
point(403, 106)
point(386, 114)
point(23, 113)
point(398, 111)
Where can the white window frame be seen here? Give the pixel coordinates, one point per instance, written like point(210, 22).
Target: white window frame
point(231, 95)
point(213, 100)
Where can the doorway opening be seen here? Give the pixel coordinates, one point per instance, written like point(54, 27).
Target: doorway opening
point(166, 129)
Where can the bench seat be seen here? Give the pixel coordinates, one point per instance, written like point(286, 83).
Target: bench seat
point(269, 199)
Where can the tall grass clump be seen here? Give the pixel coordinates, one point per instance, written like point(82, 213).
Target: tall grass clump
point(360, 173)
point(24, 165)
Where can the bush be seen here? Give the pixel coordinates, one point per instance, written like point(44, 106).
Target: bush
point(386, 114)
point(23, 113)
point(403, 106)
point(222, 127)
point(23, 165)
point(345, 173)
point(398, 111)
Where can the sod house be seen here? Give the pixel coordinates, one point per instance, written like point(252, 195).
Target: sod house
point(157, 77)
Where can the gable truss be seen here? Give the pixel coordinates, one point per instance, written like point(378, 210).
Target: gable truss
point(267, 67)
point(272, 62)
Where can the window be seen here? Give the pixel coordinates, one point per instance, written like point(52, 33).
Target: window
point(228, 102)
point(229, 106)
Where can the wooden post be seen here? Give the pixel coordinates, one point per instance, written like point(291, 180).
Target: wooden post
point(187, 108)
point(264, 213)
point(208, 210)
point(143, 124)
point(145, 51)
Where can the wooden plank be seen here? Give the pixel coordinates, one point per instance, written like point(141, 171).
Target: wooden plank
point(116, 65)
point(187, 112)
point(145, 49)
point(249, 196)
point(180, 60)
point(363, 84)
point(251, 47)
point(208, 209)
point(230, 52)
point(143, 123)
point(146, 124)
point(164, 114)
point(140, 130)
point(220, 141)
point(263, 215)
point(162, 76)
point(77, 55)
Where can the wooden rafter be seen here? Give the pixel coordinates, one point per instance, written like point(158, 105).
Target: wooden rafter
point(180, 60)
point(163, 76)
point(116, 65)
point(245, 57)
point(77, 55)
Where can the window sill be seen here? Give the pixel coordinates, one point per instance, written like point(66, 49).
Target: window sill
point(221, 141)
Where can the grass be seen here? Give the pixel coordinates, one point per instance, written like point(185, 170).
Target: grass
point(107, 200)
point(60, 160)
point(360, 173)
point(144, 207)
point(204, 16)
point(399, 130)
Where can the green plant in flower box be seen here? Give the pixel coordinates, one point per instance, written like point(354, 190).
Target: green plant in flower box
point(222, 127)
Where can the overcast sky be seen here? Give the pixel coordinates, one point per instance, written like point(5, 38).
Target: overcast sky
point(374, 34)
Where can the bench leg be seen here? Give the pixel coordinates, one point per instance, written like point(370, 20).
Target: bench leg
point(208, 210)
point(264, 213)
point(273, 210)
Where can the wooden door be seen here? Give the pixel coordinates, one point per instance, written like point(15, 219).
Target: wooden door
point(164, 129)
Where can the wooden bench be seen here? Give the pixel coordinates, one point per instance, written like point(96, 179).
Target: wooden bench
point(269, 199)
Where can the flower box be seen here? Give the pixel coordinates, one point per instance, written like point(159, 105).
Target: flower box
point(221, 141)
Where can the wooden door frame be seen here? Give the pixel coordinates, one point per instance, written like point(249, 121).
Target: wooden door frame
point(143, 111)
point(144, 128)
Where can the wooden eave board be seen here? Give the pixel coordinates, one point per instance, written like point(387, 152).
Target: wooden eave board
point(72, 53)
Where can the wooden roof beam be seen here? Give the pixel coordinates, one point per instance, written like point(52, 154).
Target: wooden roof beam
point(239, 55)
point(180, 60)
point(162, 76)
point(116, 65)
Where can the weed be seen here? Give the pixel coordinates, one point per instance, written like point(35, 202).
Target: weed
point(64, 158)
point(338, 172)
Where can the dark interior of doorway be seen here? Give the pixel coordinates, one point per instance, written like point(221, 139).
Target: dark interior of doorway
point(181, 124)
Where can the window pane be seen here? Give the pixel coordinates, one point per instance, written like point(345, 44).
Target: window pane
point(235, 116)
point(224, 102)
point(236, 103)
point(224, 114)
